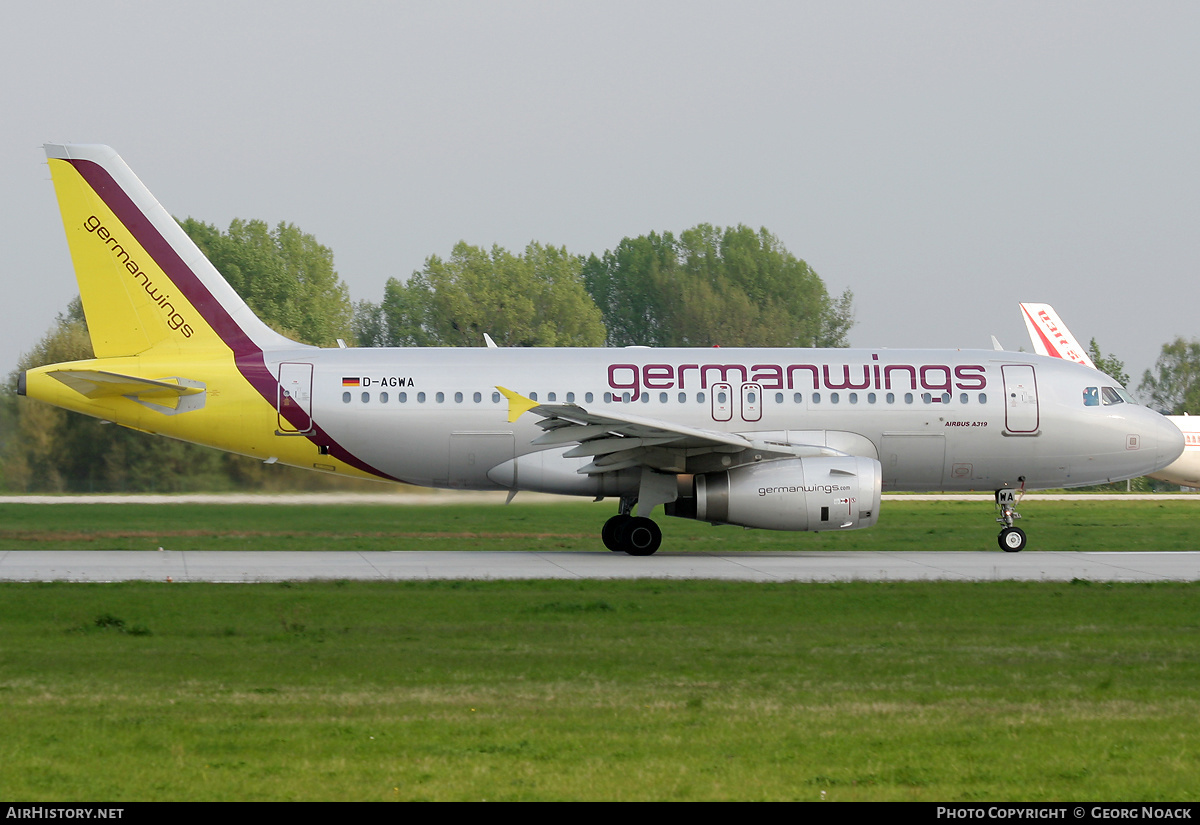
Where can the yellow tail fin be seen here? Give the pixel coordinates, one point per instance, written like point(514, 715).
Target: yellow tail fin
point(144, 284)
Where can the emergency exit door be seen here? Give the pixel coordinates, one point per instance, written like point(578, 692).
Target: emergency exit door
point(294, 404)
point(1020, 399)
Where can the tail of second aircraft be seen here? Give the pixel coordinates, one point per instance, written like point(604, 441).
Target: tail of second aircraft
point(143, 282)
point(1050, 335)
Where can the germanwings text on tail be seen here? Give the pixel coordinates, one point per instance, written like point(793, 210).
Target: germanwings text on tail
point(784, 439)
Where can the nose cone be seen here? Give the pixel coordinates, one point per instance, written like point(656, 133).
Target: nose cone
point(1165, 437)
point(1162, 440)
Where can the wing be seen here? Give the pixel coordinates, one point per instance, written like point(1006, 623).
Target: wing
point(618, 440)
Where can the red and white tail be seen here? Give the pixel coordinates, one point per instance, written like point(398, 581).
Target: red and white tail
point(1050, 335)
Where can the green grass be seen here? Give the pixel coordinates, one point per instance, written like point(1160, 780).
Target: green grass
point(903, 525)
point(595, 690)
point(588, 690)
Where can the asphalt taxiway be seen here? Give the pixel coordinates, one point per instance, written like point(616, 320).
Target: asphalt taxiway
point(249, 566)
point(275, 566)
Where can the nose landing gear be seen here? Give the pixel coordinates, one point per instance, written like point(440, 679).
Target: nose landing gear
point(1011, 539)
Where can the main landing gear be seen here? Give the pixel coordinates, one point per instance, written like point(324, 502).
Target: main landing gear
point(1011, 539)
point(635, 535)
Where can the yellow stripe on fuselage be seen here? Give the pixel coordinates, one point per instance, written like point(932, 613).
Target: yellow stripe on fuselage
point(235, 417)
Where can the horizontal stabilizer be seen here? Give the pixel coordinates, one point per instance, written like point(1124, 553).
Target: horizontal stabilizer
point(102, 384)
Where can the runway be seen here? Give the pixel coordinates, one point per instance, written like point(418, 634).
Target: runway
point(249, 567)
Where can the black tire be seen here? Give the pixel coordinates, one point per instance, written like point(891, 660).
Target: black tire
point(1012, 539)
point(610, 533)
point(640, 537)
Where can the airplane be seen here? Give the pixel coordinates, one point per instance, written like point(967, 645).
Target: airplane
point(1050, 336)
point(782, 439)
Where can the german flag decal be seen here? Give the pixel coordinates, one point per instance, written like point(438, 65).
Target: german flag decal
point(351, 382)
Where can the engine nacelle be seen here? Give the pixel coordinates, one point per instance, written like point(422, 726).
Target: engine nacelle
point(823, 493)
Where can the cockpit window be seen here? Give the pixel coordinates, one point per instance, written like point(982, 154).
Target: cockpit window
point(1095, 396)
point(1110, 396)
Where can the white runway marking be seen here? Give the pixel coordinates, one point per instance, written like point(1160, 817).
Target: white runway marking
point(236, 566)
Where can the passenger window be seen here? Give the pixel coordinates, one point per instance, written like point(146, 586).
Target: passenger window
point(345, 398)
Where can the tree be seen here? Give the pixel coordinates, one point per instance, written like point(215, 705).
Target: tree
point(528, 300)
point(1110, 365)
point(1174, 386)
point(369, 325)
point(284, 274)
point(729, 287)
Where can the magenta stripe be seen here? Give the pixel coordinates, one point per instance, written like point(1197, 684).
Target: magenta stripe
point(248, 356)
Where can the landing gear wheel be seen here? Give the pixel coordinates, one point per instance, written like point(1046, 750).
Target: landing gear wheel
point(640, 536)
point(1012, 539)
point(610, 533)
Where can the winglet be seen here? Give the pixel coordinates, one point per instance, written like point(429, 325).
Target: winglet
point(518, 404)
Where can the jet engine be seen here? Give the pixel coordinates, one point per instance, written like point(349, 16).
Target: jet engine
point(821, 493)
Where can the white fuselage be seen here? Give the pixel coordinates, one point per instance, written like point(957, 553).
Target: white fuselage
point(1185, 470)
point(935, 419)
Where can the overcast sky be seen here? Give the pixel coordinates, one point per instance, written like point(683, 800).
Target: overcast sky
point(944, 160)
